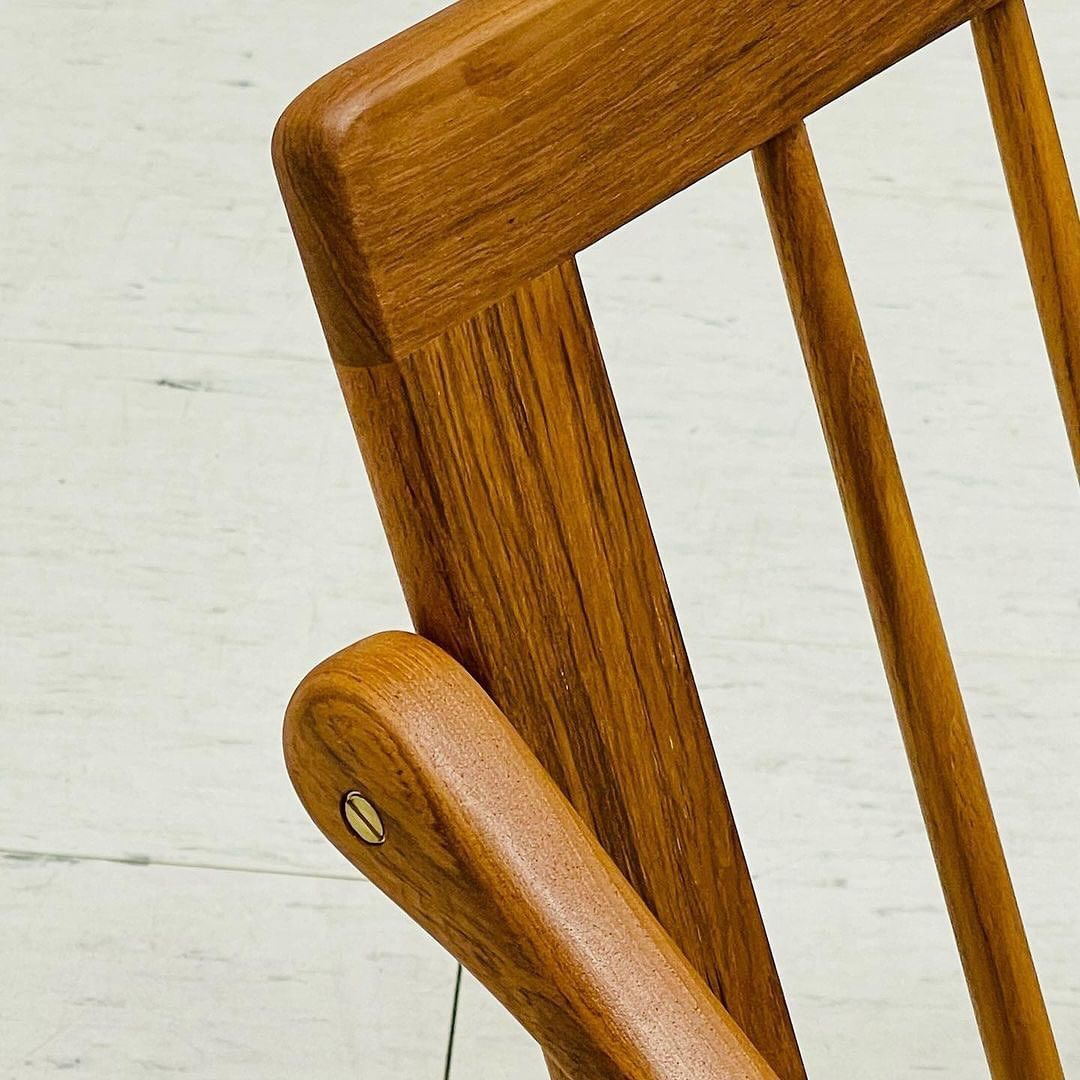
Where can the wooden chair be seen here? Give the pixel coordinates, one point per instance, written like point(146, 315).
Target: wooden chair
point(532, 778)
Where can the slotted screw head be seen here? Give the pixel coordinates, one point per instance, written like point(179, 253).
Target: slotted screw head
point(362, 818)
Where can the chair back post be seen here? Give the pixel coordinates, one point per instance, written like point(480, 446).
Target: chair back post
point(439, 187)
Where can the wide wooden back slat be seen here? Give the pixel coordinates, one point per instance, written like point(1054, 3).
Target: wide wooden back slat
point(438, 187)
point(489, 143)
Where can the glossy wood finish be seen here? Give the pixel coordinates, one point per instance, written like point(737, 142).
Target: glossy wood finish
point(438, 187)
point(512, 509)
point(1042, 194)
point(435, 173)
point(483, 850)
point(971, 864)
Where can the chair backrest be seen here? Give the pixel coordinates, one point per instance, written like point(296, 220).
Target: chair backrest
point(439, 187)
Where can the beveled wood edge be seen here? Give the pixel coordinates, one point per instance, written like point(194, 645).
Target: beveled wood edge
point(460, 825)
point(391, 305)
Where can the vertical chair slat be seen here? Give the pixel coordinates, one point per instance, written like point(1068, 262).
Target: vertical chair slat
point(1042, 195)
point(971, 863)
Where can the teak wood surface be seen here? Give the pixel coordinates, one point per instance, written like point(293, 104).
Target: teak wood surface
point(956, 807)
point(441, 169)
point(484, 851)
point(1041, 191)
point(438, 187)
point(517, 525)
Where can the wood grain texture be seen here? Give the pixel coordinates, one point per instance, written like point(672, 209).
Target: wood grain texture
point(515, 519)
point(1042, 194)
point(993, 946)
point(485, 852)
point(433, 174)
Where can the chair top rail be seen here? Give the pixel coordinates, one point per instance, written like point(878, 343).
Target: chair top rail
point(434, 173)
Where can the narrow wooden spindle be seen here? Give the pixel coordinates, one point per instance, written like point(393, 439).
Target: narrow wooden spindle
point(971, 863)
point(1042, 195)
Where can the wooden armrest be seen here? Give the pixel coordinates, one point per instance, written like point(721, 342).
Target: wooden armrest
point(462, 827)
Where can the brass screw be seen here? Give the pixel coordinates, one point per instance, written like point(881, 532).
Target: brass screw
point(362, 818)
